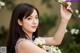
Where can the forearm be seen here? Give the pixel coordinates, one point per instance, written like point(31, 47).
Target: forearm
point(58, 37)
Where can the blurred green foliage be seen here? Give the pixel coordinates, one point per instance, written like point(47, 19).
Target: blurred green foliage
point(46, 23)
point(71, 42)
point(9, 4)
point(48, 3)
point(3, 35)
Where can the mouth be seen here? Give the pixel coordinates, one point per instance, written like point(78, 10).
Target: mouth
point(34, 27)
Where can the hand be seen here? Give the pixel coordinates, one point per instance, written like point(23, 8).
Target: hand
point(65, 12)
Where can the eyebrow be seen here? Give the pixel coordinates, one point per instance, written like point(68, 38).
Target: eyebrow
point(32, 16)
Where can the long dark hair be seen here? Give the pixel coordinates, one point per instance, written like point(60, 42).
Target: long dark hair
point(15, 31)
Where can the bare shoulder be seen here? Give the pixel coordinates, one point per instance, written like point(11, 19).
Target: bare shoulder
point(24, 43)
point(27, 46)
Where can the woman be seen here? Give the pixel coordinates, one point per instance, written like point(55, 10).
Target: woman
point(23, 29)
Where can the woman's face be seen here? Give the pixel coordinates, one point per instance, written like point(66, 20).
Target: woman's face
point(30, 23)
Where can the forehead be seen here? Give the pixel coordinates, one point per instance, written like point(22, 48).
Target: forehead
point(34, 12)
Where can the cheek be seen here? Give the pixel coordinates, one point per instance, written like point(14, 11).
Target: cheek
point(27, 24)
point(37, 22)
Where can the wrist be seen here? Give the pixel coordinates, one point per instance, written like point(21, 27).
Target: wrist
point(64, 20)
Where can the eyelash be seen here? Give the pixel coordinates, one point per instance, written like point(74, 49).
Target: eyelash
point(31, 18)
point(36, 17)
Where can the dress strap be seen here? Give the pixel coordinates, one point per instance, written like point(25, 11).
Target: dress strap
point(16, 46)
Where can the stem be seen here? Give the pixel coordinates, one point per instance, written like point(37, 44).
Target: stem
point(73, 13)
point(76, 16)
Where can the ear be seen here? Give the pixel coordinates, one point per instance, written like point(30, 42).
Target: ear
point(19, 22)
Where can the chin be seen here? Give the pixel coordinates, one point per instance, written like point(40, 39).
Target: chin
point(33, 30)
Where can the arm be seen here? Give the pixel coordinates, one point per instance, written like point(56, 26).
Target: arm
point(58, 37)
point(27, 46)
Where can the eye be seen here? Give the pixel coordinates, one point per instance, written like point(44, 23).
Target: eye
point(36, 17)
point(29, 18)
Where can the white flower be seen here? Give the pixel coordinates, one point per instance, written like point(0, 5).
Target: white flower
point(76, 11)
point(66, 31)
point(2, 4)
point(73, 31)
point(39, 41)
point(59, 51)
point(77, 31)
point(53, 49)
point(61, 1)
point(3, 49)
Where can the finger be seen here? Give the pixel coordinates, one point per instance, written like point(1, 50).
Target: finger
point(69, 3)
point(62, 7)
point(70, 10)
point(69, 7)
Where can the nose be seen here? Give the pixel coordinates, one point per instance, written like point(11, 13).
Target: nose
point(34, 21)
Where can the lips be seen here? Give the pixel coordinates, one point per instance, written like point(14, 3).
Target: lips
point(34, 27)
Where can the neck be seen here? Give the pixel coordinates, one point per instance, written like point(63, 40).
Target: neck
point(29, 36)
